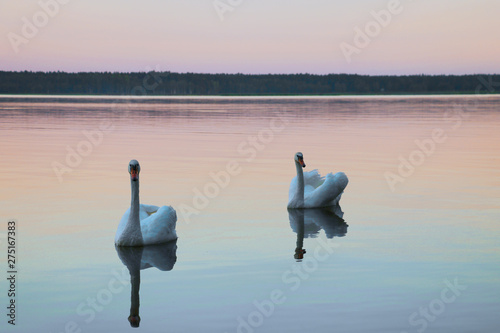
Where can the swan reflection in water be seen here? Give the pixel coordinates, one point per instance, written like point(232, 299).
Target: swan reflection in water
point(308, 222)
point(162, 256)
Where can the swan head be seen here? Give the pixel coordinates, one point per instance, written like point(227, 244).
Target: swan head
point(299, 253)
point(134, 320)
point(134, 168)
point(299, 158)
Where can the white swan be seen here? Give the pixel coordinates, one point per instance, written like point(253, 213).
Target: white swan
point(144, 224)
point(311, 190)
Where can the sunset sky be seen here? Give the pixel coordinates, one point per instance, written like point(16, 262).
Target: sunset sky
point(252, 36)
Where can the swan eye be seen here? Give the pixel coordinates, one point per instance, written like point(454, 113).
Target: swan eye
point(134, 167)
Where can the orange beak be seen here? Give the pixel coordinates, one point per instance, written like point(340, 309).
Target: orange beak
point(301, 161)
point(133, 175)
point(299, 253)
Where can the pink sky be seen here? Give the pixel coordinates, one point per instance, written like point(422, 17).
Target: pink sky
point(252, 36)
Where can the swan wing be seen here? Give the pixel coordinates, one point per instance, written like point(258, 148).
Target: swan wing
point(328, 193)
point(159, 226)
point(144, 212)
point(312, 179)
point(147, 210)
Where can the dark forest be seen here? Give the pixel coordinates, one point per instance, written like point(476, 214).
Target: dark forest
point(168, 83)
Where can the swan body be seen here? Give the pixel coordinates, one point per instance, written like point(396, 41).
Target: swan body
point(157, 226)
point(311, 190)
point(144, 224)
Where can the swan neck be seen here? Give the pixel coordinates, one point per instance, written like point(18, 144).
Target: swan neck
point(300, 229)
point(135, 282)
point(134, 205)
point(300, 182)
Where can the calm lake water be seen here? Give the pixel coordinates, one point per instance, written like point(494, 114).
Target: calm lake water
point(417, 249)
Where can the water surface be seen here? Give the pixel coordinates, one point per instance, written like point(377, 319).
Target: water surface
point(387, 266)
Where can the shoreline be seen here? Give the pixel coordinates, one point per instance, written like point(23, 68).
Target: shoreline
point(240, 97)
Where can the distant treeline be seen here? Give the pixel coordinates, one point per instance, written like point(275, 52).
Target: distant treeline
point(167, 83)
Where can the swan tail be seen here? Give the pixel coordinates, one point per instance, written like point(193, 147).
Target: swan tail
point(341, 180)
point(169, 218)
point(339, 183)
point(330, 192)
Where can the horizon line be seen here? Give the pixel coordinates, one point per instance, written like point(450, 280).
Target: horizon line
point(234, 73)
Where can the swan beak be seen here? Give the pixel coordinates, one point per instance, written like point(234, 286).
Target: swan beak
point(134, 175)
point(301, 161)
